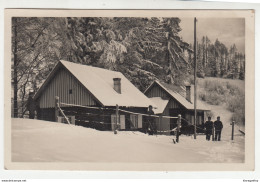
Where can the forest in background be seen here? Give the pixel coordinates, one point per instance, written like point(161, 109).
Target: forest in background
point(143, 49)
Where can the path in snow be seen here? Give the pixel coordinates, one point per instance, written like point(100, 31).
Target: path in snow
point(43, 141)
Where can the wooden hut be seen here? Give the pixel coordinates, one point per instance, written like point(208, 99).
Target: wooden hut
point(173, 100)
point(79, 85)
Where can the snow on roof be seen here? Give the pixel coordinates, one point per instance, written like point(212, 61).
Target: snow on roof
point(182, 100)
point(100, 83)
point(160, 103)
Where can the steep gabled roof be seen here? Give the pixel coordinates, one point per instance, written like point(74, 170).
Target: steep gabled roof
point(99, 82)
point(175, 93)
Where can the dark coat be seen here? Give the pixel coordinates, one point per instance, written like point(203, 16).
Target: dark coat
point(151, 121)
point(208, 125)
point(150, 112)
point(150, 118)
point(218, 125)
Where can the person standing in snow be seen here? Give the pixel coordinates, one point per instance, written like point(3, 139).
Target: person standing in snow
point(209, 128)
point(31, 106)
point(218, 128)
point(150, 121)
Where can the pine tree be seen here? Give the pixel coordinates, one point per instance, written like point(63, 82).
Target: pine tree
point(242, 67)
point(162, 38)
point(141, 48)
point(218, 61)
point(233, 64)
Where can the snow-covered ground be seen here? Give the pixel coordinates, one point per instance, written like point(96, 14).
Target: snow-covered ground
point(43, 141)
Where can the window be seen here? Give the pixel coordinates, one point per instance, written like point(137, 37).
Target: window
point(120, 124)
point(70, 91)
point(136, 121)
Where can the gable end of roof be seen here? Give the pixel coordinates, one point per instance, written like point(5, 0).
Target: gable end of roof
point(176, 96)
point(57, 67)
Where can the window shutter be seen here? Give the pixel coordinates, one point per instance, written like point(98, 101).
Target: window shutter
point(72, 119)
point(113, 121)
point(60, 119)
point(131, 121)
point(122, 122)
point(140, 121)
point(136, 121)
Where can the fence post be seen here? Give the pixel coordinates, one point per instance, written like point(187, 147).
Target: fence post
point(103, 119)
point(178, 128)
point(160, 123)
point(115, 127)
point(232, 134)
point(57, 100)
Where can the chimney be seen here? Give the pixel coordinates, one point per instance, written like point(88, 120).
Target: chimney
point(117, 85)
point(188, 93)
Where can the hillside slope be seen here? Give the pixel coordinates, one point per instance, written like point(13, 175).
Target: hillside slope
point(238, 83)
point(223, 95)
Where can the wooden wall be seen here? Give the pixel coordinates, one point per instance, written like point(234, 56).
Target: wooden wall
point(60, 86)
point(94, 116)
point(157, 91)
point(173, 108)
point(164, 126)
point(47, 114)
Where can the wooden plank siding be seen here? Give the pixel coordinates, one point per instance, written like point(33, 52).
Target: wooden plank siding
point(173, 108)
point(164, 125)
point(60, 85)
point(157, 91)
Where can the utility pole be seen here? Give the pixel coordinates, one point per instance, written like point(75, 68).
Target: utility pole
point(195, 76)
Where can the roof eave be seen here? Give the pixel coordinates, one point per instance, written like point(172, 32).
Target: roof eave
point(146, 90)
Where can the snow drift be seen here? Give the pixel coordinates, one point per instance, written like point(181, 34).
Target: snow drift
point(43, 141)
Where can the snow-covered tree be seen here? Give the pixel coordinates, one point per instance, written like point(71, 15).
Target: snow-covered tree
point(36, 46)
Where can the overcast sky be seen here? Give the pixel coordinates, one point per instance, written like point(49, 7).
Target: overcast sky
point(227, 30)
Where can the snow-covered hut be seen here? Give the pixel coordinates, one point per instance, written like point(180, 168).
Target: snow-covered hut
point(173, 100)
point(79, 85)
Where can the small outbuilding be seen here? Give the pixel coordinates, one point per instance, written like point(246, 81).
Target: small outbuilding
point(89, 95)
point(173, 100)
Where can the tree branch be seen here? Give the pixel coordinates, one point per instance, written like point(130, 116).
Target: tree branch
point(173, 59)
point(24, 72)
point(41, 32)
